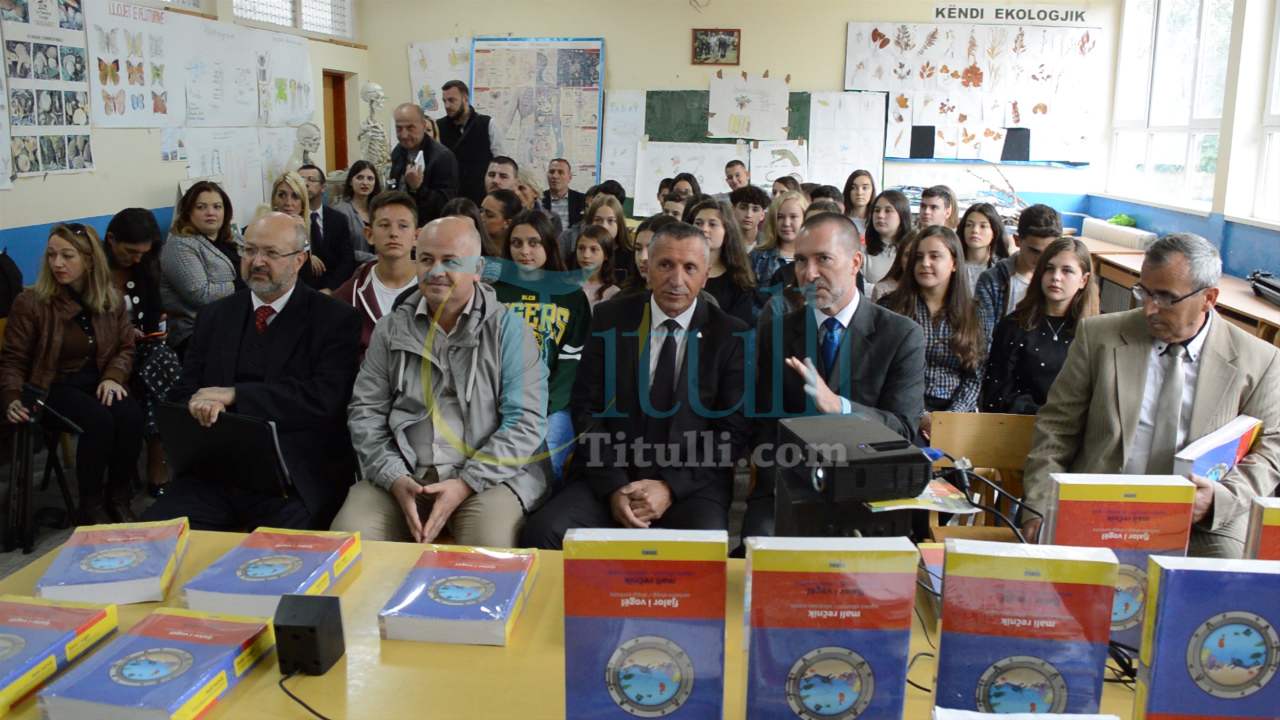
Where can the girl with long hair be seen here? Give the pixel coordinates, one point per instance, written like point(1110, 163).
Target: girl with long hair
point(859, 191)
point(982, 231)
point(781, 228)
point(729, 277)
point(593, 253)
point(361, 186)
point(889, 225)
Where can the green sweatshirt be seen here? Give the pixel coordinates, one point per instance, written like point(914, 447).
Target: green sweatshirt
point(561, 325)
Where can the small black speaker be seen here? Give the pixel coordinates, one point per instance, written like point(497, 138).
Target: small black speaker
point(308, 633)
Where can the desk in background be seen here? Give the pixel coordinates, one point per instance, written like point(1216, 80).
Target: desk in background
point(379, 679)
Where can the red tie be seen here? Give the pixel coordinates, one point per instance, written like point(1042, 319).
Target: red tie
point(261, 316)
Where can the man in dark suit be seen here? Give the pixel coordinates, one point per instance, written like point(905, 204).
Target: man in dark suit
point(559, 199)
point(659, 397)
point(838, 354)
point(333, 254)
point(282, 352)
point(433, 181)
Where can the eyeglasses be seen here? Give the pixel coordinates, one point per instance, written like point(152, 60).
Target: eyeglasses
point(271, 255)
point(1161, 300)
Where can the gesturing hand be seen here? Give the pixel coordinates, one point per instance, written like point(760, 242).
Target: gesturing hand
point(826, 401)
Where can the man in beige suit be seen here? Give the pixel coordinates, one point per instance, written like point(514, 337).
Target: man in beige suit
point(1139, 385)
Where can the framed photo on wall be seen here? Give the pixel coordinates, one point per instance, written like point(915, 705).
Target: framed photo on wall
point(717, 46)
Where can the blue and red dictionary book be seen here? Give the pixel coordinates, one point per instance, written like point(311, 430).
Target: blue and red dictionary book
point(644, 623)
point(124, 564)
point(1137, 516)
point(1213, 455)
point(828, 626)
point(1210, 645)
point(271, 562)
point(460, 594)
point(175, 663)
point(1024, 627)
point(40, 637)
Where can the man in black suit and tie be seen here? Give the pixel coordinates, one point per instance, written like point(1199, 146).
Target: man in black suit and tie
point(559, 199)
point(659, 397)
point(333, 257)
point(838, 354)
point(282, 352)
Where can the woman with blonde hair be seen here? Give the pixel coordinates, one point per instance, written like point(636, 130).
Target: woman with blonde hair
point(69, 335)
point(200, 260)
point(778, 246)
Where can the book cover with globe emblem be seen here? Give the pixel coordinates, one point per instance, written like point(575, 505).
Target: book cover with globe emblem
point(1024, 627)
point(1263, 539)
point(40, 637)
point(828, 627)
point(175, 663)
point(1137, 516)
point(250, 578)
point(461, 594)
point(1210, 646)
point(123, 564)
point(644, 625)
point(1213, 455)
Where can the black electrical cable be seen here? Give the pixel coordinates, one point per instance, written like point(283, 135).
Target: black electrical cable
point(925, 627)
point(911, 664)
point(297, 699)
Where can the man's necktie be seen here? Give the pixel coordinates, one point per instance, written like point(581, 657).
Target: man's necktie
point(662, 390)
point(317, 237)
point(261, 316)
point(831, 332)
point(1164, 436)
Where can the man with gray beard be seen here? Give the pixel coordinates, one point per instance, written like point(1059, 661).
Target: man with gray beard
point(277, 351)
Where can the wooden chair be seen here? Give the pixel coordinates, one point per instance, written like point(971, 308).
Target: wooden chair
point(997, 445)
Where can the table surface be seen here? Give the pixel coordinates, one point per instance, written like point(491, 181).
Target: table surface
point(1098, 247)
point(377, 678)
point(1235, 294)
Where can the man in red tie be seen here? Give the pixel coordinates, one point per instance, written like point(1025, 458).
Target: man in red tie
point(282, 352)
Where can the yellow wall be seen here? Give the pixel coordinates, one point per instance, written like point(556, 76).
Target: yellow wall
point(647, 48)
point(127, 167)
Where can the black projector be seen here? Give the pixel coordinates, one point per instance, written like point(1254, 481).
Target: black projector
point(849, 458)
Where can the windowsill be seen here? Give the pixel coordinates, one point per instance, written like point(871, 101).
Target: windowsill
point(1272, 225)
point(1198, 211)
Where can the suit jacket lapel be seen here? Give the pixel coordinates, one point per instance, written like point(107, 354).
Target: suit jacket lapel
point(1214, 379)
point(692, 347)
point(286, 330)
point(1131, 377)
point(857, 335)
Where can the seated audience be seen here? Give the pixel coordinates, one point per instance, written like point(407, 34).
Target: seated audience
point(133, 245)
point(639, 282)
point(642, 459)
point(749, 206)
point(901, 266)
point(828, 192)
point(686, 184)
point(890, 218)
point(1139, 385)
point(1000, 288)
point(501, 174)
point(69, 336)
point(606, 212)
point(374, 287)
point(786, 184)
point(673, 205)
point(361, 186)
point(332, 250)
point(463, 207)
point(282, 352)
point(982, 231)
point(664, 187)
point(823, 205)
point(594, 255)
point(448, 415)
point(868, 360)
point(536, 287)
point(859, 191)
point(561, 200)
point(433, 180)
point(529, 190)
point(781, 225)
point(736, 175)
point(729, 278)
point(497, 209)
point(1030, 345)
point(938, 207)
point(933, 295)
point(200, 262)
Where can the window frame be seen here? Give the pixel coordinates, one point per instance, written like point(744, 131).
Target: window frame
point(297, 27)
point(1269, 133)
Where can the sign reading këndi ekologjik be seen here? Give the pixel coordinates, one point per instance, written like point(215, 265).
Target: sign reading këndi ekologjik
point(1015, 14)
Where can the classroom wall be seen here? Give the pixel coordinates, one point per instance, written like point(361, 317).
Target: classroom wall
point(647, 47)
point(128, 171)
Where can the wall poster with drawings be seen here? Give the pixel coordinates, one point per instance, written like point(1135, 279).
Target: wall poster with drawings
point(433, 63)
point(140, 76)
point(992, 92)
point(48, 91)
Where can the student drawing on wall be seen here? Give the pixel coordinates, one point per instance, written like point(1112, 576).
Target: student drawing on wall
point(17, 59)
point(53, 152)
point(76, 107)
point(22, 107)
point(26, 154)
point(72, 64)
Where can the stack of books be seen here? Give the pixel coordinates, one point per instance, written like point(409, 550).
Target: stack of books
point(1263, 540)
point(123, 564)
point(40, 637)
point(644, 623)
point(828, 626)
point(271, 562)
point(459, 594)
point(1210, 645)
point(1024, 627)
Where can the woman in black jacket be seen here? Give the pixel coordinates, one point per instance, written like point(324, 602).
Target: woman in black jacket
point(729, 277)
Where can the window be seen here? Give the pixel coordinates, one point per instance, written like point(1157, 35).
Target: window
point(327, 17)
point(1266, 204)
point(1169, 94)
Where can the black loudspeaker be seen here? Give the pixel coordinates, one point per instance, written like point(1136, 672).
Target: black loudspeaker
point(308, 633)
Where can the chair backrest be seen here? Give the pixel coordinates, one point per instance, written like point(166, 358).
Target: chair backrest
point(989, 440)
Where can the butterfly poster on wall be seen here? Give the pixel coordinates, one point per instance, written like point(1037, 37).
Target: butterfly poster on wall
point(135, 75)
point(46, 69)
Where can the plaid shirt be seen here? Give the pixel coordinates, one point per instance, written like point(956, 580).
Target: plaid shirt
point(944, 377)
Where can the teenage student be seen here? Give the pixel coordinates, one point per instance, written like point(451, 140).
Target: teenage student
point(938, 207)
point(1000, 288)
point(859, 190)
point(729, 278)
point(982, 231)
point(1030, 346)
point(936, 297)
point(890, 225)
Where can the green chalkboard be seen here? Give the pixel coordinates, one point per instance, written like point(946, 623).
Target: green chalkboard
point(681, 116)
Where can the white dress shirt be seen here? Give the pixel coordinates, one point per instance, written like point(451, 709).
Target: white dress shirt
point(1140, 448)
point(658, 334)
point(278, 305)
